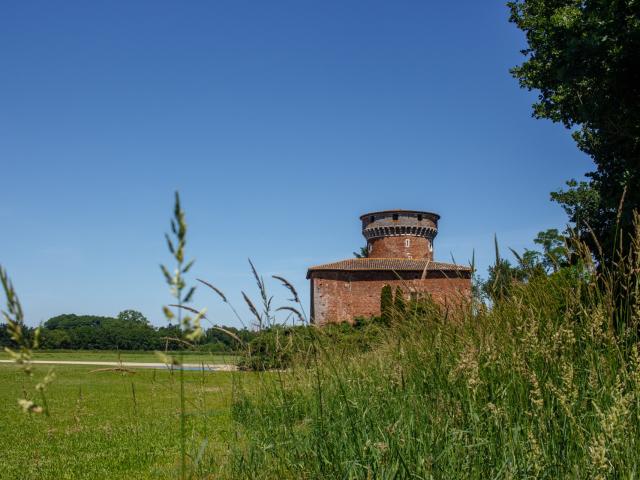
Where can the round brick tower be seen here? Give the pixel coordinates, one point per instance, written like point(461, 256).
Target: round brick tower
point(400, 233)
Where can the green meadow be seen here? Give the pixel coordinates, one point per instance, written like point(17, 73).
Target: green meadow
point(544, 384)
point(126, 356)
point(541, 382)
point(109, 425)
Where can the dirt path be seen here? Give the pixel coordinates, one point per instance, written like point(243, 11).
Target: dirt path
point(186, 366)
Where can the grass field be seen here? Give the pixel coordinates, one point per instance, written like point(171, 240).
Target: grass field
point(544, 383)
point(106, 425)
point(126, 356)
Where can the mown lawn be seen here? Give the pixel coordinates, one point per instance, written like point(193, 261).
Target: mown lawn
point(126, 356)
point(110, 425)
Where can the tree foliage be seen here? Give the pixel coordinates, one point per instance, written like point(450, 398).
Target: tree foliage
point(399, 304)
point(555, 251)
point(582, 57)
point(129, 330)
point(133, 317)
point(386, 303)
point(503, 275)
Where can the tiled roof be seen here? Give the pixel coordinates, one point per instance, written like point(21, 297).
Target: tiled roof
point(390, 264)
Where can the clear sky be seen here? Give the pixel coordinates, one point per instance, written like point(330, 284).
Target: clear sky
point(280, 122)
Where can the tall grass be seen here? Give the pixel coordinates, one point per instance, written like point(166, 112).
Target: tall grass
point(190, 326)
point(544, 384)
point(13, 316)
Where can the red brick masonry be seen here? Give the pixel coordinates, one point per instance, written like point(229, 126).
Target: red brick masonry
point(345, 290)
point(400, 247)
point(400, 244)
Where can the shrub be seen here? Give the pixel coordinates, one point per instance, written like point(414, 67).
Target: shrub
point(283, 347)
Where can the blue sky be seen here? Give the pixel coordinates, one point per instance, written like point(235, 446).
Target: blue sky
point(279, 122)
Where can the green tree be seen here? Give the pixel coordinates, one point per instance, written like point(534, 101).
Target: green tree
point(386, 303)
point(53, 339)
point(582, 57)
point(555, 253)
point(363, 253)
point(133, 317)
point(580, 202)
point(71, 321)
point(399, 305)
point(499, 283)
point(502, 274)
point(531, 264)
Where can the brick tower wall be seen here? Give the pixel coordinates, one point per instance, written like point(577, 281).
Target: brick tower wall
point(400, 234)
point(401, 247)
point(338, 296)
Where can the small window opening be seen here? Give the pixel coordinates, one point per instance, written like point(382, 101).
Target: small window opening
point(371, 218)
point(395, 216)
point(419, 218)
point(407, 242)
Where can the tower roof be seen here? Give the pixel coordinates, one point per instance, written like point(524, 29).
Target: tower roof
point(399, 223)
point(400, 212)
point(389, 264)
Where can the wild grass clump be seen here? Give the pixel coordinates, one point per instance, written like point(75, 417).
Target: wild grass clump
point(26, 342)
point(543, 384)
point(283, 347)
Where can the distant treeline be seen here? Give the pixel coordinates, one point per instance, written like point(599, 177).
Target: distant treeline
point(130, 330)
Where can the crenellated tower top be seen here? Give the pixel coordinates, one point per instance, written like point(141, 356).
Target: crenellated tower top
point(400, 233)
